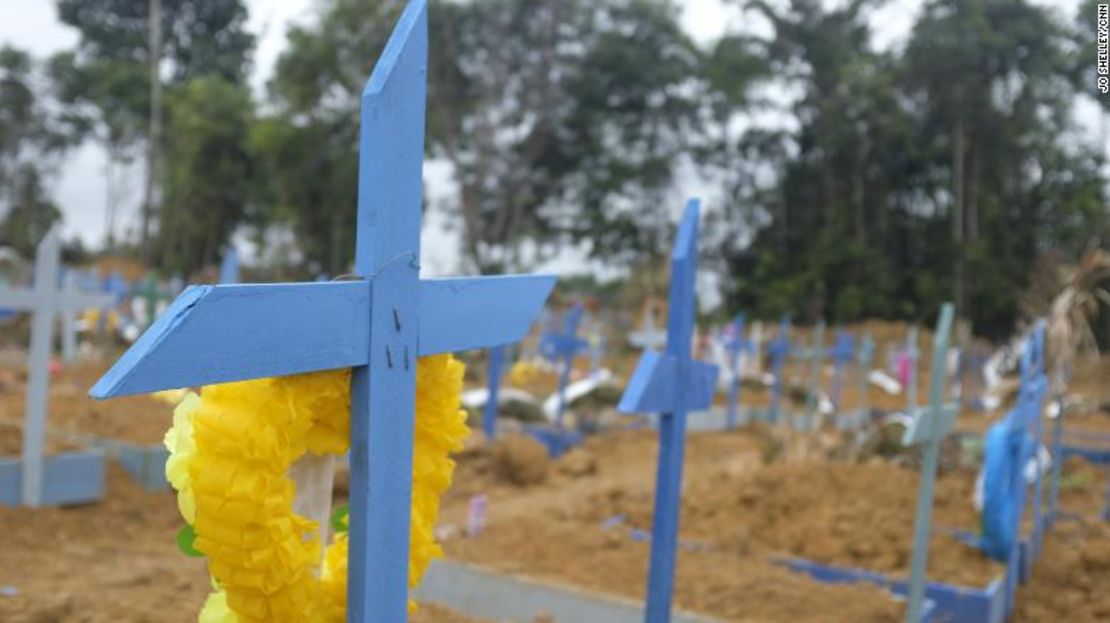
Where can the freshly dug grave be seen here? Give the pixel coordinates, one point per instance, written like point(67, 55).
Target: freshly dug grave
point(137, 419)
point(555, 530)
point(109, 562)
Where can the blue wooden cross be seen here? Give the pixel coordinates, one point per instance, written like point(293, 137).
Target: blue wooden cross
point(929, 426)
point(736, 345)
point(841, 353)
point(813, 393)
point(779, 348)
point(911, 383)
point(489, 418)
point(562, 349)
point(671, 384)
point(229, 267)
point(1034, 388)
point(866, 356)
point(45, 301)
point(378, 325)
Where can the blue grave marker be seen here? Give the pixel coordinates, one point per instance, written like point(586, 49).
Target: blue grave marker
point(912, 355)
point(648, 337)
point(229, 267)
point(813, 392)
point(779, 348)
point(929, 426)
point(562, 348)
point(841, 353)
point(489, 417)
point(378, 325)
point(737, 345)
point(671, 384)
point(866, 356)
point(43, 481)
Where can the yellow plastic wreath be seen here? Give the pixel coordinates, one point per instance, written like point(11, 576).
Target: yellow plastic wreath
point(231, 448)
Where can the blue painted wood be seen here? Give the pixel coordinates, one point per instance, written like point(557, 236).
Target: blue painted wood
point(866, 356)
point(657, 385)
point(779, 348)
point(401, 318)
point(45, 300)
point(68, 478)
point(145, 463)
point(737, 346)
point(951, 604)
point(841, 353)
point(929, 428)
point(212, 334)
point(229, 267)
point(674, 390)
point(813, 392)
point(563, 348)
point(489, 419)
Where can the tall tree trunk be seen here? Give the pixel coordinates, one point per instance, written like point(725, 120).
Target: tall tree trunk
point(155, 139)
point(958, 213)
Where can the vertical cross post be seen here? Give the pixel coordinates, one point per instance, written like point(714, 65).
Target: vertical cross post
point(813, 392)
point(489, 418)
point(671, 384)
point(866, 356)
point(841, 353)
point(911, 355)
point(779, 348)
point(562, 349)
point(930, 425)
point(229, 267)
point(1038, 385)
point(736, 346)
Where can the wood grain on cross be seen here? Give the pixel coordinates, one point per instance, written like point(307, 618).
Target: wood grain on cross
point(46, 302)
point(378, 325)
point(671, 384)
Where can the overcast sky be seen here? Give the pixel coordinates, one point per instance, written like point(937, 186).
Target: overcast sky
point(80, 191)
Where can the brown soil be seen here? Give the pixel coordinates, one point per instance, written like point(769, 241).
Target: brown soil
point(1070, 579)
point(556, 530)
point(138, 419)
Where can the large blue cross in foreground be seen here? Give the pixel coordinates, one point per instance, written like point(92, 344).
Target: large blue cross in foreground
point(671, 384)
point(378, 325)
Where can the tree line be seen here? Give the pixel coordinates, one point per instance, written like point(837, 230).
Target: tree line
point(843, 180)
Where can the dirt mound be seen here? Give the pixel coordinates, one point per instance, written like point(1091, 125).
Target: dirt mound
point(520, 460)
point(1070, 579)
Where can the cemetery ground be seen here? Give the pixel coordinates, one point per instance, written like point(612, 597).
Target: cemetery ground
point(751, 496)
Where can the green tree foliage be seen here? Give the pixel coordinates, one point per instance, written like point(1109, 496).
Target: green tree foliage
point(208, 173)
point(935, 172)
point(29, 139)
point(560, 118)
point(105, 80)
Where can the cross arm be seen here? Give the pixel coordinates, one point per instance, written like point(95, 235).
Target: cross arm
point(22, 300)
point(654, 385)
point(920, 431)
point(27, 300)
point(217, 334)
